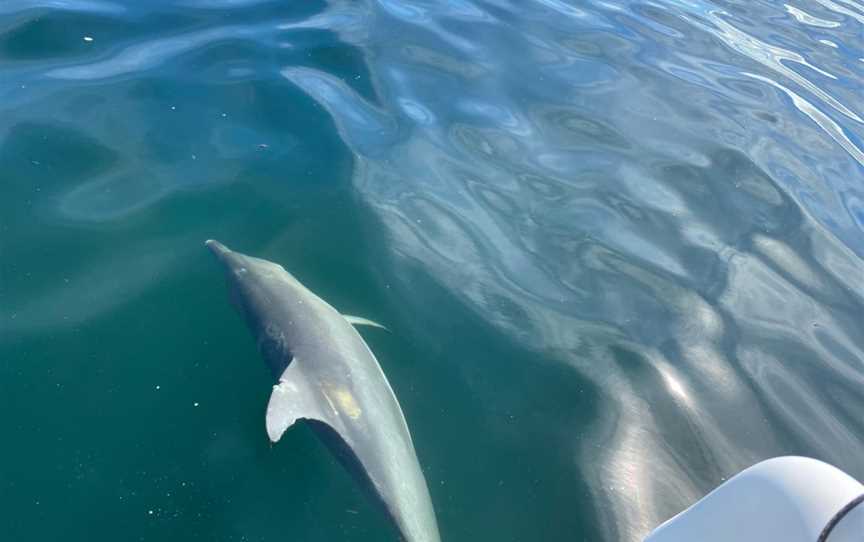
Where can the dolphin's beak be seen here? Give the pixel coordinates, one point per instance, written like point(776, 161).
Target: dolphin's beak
point(222, 253)
point(216, 247)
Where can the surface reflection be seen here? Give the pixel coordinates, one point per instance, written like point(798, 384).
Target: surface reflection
point(620, 241)
point(548, 194)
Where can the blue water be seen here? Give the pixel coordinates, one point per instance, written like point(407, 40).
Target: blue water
point(619, 246)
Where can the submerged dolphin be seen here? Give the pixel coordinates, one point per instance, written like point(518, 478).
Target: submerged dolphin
point(329, 378)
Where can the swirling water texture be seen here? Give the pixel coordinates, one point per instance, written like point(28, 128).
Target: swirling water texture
point(664, 198)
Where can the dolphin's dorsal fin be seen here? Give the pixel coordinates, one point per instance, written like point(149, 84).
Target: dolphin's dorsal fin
point(290, 401)
point(360, 321)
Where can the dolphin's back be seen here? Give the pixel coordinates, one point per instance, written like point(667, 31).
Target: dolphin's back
point(344, 389)
point(328, 376)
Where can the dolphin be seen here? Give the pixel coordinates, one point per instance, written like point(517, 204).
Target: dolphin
point(328, 377)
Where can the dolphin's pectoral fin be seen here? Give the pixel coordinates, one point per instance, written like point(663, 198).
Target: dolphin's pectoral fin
point(290, 401)
point(359, 321)
point(282, 411)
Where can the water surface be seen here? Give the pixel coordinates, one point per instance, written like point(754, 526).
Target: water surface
point(619, 245)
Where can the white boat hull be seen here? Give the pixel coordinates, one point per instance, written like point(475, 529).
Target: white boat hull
point(785, 499)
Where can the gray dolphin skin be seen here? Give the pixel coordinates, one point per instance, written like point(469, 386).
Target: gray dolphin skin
point(328, 377)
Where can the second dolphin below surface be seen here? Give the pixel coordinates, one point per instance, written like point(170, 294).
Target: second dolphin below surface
point(328, 377)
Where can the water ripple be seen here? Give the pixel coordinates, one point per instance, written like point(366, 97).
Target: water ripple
point(805, 18)
point(148, 55)
point(567, 197)
point(824, 121)
point(82, 6)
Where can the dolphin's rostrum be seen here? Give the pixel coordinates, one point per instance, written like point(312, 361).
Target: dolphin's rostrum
point(328, 377)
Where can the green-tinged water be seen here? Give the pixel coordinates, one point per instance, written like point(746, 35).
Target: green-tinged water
point(618, 246)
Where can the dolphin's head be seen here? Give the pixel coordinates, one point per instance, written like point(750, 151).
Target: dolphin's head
point(263, 292)
point(254, 277)
point(241, 266)
point(232, 260)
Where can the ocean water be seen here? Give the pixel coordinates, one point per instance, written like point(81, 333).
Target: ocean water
point(619, 246)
